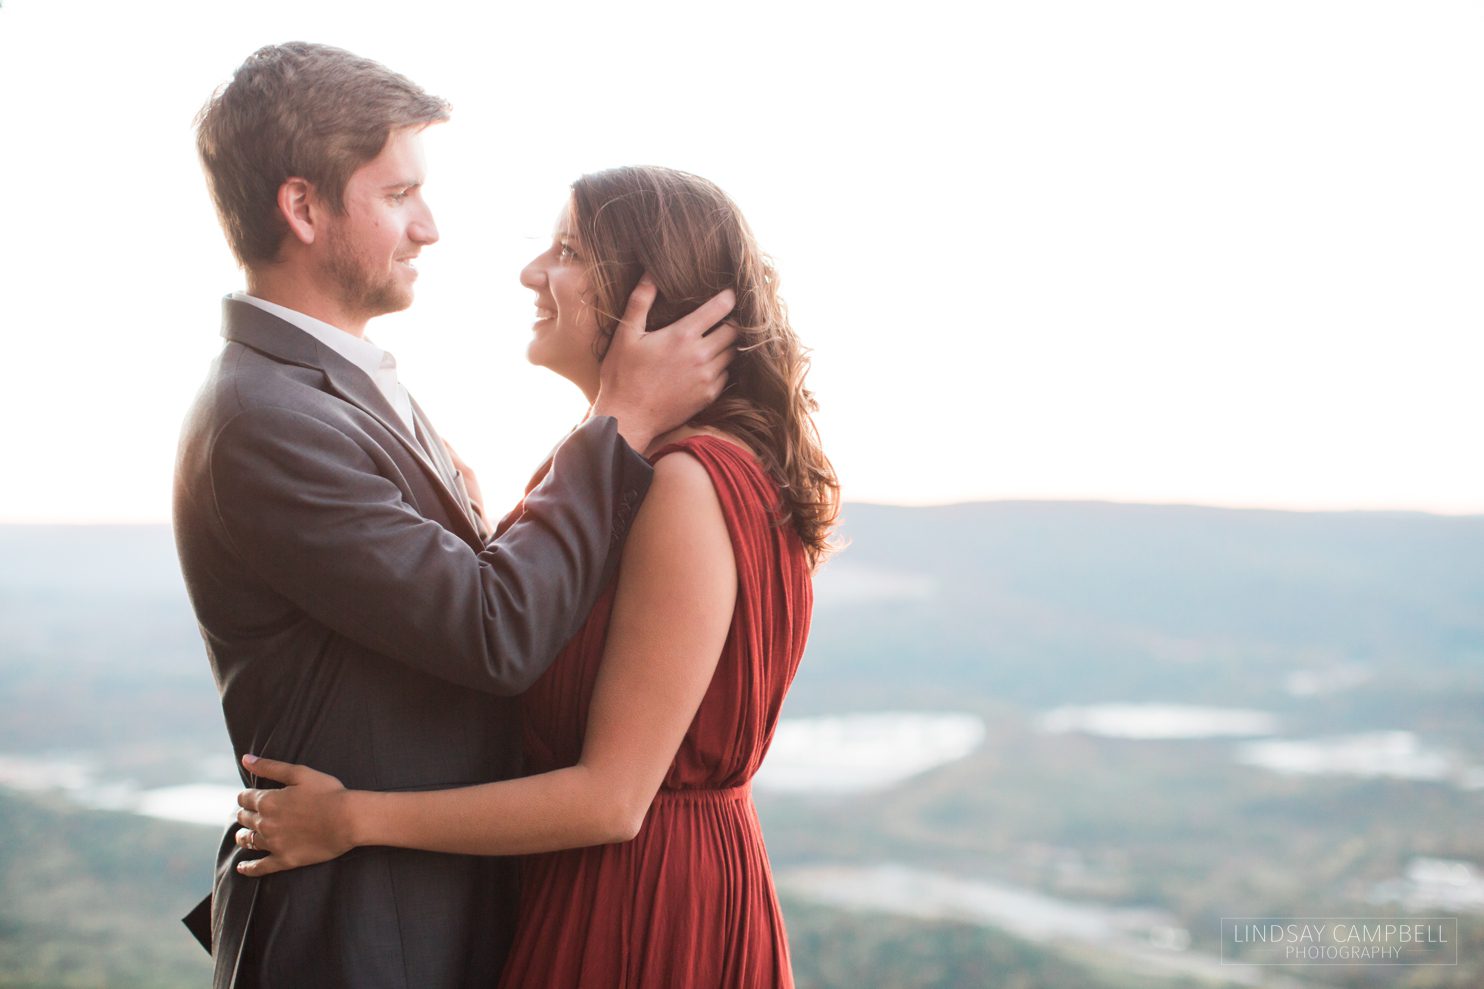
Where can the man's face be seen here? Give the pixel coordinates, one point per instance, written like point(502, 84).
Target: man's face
point(369, 250)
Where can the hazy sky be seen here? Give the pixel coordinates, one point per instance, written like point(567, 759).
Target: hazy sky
point(1208, 252)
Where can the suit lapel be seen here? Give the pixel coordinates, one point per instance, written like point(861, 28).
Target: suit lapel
point(452, 479)
point(250, 326)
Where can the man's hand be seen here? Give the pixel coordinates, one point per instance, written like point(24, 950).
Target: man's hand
point(654, 382)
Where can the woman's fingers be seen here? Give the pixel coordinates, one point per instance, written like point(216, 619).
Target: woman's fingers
point(295, 816)
point(251, 839)
point(265, 866)
point(280, 772)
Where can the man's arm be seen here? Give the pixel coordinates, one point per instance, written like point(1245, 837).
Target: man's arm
point(313, 514)
point(309, 511)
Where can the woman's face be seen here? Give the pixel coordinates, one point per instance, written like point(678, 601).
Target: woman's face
point(566, 324)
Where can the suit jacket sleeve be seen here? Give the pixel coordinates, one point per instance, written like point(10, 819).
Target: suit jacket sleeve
point(314, 515)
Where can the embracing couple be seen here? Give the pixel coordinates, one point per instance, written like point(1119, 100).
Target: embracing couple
point(482, 753)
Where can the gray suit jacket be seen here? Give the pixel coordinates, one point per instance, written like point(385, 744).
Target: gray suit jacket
point(357, 621)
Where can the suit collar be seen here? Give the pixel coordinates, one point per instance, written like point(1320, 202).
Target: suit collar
point(263, 331)
point(359, 350)
point(245, 323)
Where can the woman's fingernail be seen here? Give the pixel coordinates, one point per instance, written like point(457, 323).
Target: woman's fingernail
point(249, 759)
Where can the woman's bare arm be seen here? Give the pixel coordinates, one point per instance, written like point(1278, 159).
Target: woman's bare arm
point(671, 614)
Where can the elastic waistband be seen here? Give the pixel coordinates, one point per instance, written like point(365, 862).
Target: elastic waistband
point(707, 795)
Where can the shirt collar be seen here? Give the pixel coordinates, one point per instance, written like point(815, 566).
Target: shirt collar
point(361, 352)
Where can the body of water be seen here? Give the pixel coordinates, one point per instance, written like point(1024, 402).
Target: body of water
point(1393, 754)
point(1158, 721)
point(1386, 754)
point(1454, 885)
point(83, 779)
point(850, 753)
point(1141, 938)
point(858, 753)
point(845, 584)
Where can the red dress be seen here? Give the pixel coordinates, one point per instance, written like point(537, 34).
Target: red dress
point(690, 901)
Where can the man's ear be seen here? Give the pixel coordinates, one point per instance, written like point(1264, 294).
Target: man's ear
point(300, 208)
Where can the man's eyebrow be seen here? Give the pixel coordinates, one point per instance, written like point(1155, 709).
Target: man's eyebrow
point(404, 184)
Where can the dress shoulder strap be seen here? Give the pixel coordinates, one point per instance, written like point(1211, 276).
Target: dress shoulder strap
point(746, 490)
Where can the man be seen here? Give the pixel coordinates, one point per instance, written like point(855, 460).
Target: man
point(356, 617)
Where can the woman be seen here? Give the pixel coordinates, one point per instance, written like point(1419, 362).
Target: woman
point(645, 860)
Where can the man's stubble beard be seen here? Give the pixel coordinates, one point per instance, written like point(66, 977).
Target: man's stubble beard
point(362, 293)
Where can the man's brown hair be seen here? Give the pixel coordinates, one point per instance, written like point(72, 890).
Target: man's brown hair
point(298, 110)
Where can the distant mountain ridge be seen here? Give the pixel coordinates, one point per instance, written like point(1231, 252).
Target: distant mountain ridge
point(1042, 602)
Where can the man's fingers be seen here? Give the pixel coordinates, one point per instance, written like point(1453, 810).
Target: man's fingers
point(719, 384)
point(636, 312)
point(722, 367)
point(718, 360)
point(249, 819)
point(720, 342)
point(248, 799)
point(711, 312)
point(265, 866)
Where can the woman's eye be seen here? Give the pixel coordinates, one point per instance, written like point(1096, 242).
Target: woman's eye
point(567, 253)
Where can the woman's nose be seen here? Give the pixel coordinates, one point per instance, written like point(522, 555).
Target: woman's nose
point(533, 276)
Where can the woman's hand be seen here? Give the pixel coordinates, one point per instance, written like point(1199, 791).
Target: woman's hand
point(305, 822)
point(471, 484)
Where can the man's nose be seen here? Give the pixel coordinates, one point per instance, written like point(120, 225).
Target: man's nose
point(422, 229)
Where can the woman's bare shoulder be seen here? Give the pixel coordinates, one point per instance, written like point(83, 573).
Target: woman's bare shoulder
point(680, 517)
point(683, 484)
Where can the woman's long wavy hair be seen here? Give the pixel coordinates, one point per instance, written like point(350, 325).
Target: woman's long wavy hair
point(693, 241)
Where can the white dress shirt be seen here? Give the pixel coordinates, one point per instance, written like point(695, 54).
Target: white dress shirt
point(379, 365)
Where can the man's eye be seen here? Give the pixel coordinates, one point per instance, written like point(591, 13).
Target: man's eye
point(399, 197)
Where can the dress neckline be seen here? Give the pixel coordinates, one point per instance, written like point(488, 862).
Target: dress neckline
point(713, 440)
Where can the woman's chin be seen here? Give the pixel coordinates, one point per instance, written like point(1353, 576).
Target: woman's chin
point(585, 379)
point(540, 356)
